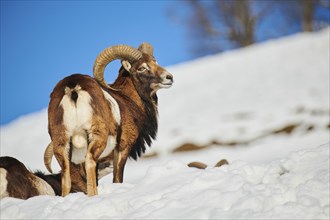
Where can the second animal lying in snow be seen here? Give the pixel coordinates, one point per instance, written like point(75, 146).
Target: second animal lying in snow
point(19, 182)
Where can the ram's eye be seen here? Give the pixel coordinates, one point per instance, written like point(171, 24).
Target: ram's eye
point(141, 69)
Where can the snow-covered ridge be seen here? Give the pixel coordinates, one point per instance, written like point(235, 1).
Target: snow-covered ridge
point(296, 187)
point(237, 96)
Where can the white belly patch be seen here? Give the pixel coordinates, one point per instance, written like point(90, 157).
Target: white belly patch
point(79, 154)
point(43, 187)
point(4, 183)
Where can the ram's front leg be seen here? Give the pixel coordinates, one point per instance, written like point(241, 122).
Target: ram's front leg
point(119, 161)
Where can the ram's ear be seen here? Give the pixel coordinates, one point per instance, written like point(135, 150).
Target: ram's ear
point(126, 65)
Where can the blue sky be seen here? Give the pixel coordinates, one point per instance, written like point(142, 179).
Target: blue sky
point(44, 41)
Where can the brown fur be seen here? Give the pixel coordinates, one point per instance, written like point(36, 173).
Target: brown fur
point(101, 128)
point(135, 93)
point(138, 104)
point(18, 176)
point(21, 181)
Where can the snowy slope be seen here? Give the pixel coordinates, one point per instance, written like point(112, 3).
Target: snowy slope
point(264, 108)
point(242, 94)
point(296, 187)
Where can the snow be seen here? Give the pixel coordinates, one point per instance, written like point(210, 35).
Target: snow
point(245, 97)
point(293, 187)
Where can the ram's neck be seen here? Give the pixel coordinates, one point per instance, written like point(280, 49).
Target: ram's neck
point(141, 94)
point(141, 105)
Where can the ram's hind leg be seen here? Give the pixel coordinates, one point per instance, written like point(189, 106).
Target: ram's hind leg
point(61, 152)
point(98, 142)
point(90, 166)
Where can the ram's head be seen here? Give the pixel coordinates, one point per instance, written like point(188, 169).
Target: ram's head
point(140, 64)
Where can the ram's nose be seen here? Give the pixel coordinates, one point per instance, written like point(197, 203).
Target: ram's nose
point(167, 80)
point(169, 76)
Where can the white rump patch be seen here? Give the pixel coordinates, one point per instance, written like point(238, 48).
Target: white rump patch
point(77, 115)
point(114, 106)
point(77, 118)
point(4, 183)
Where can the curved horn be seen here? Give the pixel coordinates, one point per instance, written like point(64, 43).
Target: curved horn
point(122, 52)
point(48, 155)
point(146, 48)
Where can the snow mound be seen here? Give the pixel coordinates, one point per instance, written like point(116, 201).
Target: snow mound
point(296, 187)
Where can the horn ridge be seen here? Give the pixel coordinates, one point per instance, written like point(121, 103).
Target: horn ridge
point(123, 52)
